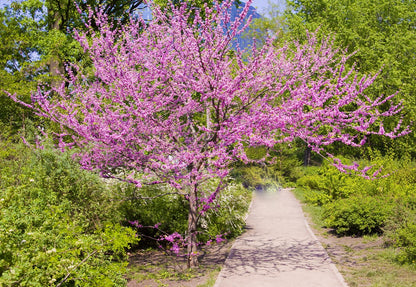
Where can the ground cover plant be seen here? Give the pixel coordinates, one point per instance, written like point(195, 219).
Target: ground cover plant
point(171, 103)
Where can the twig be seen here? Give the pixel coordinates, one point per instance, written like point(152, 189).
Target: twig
point(150, 197)
point(69, 273)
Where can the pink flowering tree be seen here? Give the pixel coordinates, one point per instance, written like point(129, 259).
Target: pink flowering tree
point(171, 102)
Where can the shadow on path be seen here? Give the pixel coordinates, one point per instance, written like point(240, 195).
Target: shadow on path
point(278, 248)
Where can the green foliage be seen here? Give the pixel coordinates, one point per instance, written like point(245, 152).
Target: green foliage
point(329, 184)
point(401, 229)
point(285, 170)
point(57, 223)
point(36, 43)
point(255, 177)
point(382, 35)
point(171, 210)
point(311, 182)
point(150, 206)
point(233, 203)
point(406, 240)
point(271, 23)
point(352, 205)
point(357, 215)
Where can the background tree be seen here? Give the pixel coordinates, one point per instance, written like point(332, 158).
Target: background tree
point(174, 104)
point(37, 42)
point(381, 33)
point(271, 23)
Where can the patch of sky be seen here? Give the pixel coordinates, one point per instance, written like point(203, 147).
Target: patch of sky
point(263, 6)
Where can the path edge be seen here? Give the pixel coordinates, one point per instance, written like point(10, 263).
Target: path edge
point(219, 277)
point(331, 263)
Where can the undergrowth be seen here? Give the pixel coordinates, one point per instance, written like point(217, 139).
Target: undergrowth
point(355, 206)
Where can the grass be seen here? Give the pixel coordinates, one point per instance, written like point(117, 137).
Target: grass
point(160, 272)
point(154, 268)
point(162, 276)
point(314, 211)
point(378, 269)
point(212, 277)
point(363, 261)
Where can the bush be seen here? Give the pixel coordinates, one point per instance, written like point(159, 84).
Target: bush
point(406, 240)
point(327, 185)
point(401, 229)
point(256, 177)
point(170, 211)
point(229, 217)
point(57, 223)
point(312, 182)
point(148, 206)
point(358, 215)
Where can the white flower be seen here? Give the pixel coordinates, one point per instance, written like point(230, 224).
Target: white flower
point(51, 251)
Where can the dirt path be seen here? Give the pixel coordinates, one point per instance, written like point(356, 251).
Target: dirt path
point(278, 248)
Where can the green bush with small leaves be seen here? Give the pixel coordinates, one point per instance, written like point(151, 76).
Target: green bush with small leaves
point(400, 229)
point(229, 218)
point(149, 206)
point(357, 215)
point(58, 224)
point(406, 241)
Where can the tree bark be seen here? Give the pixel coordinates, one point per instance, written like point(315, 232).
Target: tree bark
point(307, 156)
point(192, 226)
point(56, 69)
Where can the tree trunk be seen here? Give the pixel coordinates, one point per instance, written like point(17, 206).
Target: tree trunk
point(192, 226)
point(56, 69)
point(307, 156)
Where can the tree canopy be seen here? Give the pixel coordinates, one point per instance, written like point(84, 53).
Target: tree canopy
point(37, 42)
point(381, 34)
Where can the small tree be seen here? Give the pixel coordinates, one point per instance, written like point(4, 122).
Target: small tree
point(171, 103)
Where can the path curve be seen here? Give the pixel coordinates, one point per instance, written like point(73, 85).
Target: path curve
point(278, 248)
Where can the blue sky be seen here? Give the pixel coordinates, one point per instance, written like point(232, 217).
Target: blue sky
point(262, 5)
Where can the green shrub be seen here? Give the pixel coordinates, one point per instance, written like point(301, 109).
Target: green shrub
point(229, 218)
point(358, 215)
point(57, 223)
point(171, 211)
point(327, 185)
point(148, 206)
point(256, 177)
point(312, 182)
point(406, 241)
point(319, 198)
point(401, 229)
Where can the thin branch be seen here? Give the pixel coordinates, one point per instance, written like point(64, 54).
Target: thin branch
point(151, 197)
point(69, 273)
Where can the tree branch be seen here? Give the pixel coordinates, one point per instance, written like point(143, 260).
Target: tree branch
point(76, 266)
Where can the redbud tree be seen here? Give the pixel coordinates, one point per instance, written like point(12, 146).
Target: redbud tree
point(172, 102)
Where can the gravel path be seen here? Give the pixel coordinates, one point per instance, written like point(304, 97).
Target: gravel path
point(278, 248)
